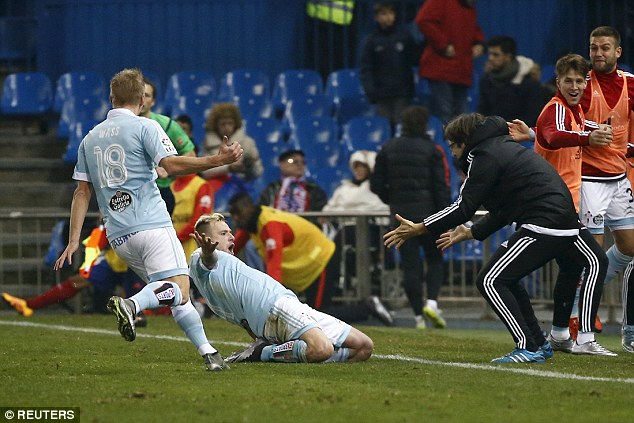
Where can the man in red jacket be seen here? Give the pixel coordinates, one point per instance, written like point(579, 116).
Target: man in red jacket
point(453, 39)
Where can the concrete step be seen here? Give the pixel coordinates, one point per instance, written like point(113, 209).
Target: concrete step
point(32, 146)
point(36, 194)
point(21, 170)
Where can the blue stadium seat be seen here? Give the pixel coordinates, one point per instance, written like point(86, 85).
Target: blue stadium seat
point(422, 94)
point(257, 107)
point(318, 138)
point(188, 84)
point(244, 83)
point(76, 134)
point(79, 84)
point(343, 83)
point(329, 178)
point(353, 106)
point(304, 107)
point(295, 83)
point(26, 94)
point(197, 109)
point(269, 138)
point(365, 133)
point(77, 109)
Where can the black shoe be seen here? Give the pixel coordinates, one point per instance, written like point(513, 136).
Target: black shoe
point(251, 354)
point(379, 310)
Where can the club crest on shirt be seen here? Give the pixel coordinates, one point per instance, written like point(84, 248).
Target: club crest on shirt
point(120, 201)
point(598, 219)
point(167, 144)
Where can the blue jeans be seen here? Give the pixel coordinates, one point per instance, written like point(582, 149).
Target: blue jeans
point(447, 100)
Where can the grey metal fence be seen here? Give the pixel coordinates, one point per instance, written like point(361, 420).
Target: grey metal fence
point(366, 266)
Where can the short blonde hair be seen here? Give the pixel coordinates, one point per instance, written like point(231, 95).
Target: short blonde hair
point(205, 221)
point(127, 88)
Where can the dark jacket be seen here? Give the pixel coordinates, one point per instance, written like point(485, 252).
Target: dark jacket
point(502, 97)
point(513, 183)
point(411, 175)
point(386, 64)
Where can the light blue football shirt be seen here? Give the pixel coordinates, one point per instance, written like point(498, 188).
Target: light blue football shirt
point(235, 291)
point(118, 157)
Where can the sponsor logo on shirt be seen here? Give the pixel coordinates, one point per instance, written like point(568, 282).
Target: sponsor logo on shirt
point(168, 146)
point(118, 242)
point(120, 201)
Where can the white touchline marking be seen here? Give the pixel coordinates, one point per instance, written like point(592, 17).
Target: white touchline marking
point(396, 357)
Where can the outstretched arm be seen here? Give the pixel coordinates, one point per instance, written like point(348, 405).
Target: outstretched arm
point(406, 230)
point(208, 256)
point(449, 238)
point(520, 131)
point(78, 210)
point(184, 165)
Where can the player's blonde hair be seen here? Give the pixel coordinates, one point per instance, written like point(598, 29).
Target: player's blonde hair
point(204, 222)
point(127, 88)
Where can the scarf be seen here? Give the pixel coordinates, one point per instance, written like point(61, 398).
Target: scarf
point(293, 196)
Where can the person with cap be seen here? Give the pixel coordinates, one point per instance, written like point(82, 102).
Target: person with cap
point(293, 192)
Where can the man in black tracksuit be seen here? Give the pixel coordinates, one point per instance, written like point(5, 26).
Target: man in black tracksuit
point(515, 185)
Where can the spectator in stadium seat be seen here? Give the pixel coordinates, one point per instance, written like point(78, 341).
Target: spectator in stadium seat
point(515, 185)
point(225, 120)
point(412, 176)
point(293, 192)
point(387, 58)
point(183, 144)
point(284, 329)
point(355, 195)
point(507, 87)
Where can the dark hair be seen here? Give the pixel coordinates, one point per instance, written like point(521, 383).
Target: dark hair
point(571, 62)
point(460, 129)
point(185, 119)
point(221, 111)
point(380, 6)
point(240, 200)
point(506, 44)
point(607, 31)
point(414, 121)
point(288, 153)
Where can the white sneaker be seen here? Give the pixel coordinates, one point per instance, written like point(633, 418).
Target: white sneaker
point(591, 348)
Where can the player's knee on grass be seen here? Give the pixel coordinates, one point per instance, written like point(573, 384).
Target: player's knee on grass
point(318, 350)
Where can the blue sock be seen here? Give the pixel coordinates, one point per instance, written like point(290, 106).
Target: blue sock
point(288, 352)
point(617, 261)
point(339, 356)
point(189, 321)
point(157, 293)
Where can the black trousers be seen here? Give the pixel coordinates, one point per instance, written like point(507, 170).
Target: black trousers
point(524, 252)
point(413, 274)
point(570, 271)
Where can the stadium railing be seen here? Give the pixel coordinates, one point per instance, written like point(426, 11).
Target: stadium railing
point(24, 239)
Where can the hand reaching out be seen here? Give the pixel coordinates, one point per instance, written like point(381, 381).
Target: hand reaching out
point(406, 230)
point(518, 130)
point(449, 238)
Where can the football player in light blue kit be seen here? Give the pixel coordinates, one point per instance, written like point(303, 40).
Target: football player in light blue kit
point(284, 329)
point(117, 160)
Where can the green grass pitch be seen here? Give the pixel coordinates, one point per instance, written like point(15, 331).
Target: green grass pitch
point(414, 376)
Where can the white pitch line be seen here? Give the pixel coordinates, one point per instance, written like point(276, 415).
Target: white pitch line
point(396, 357)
